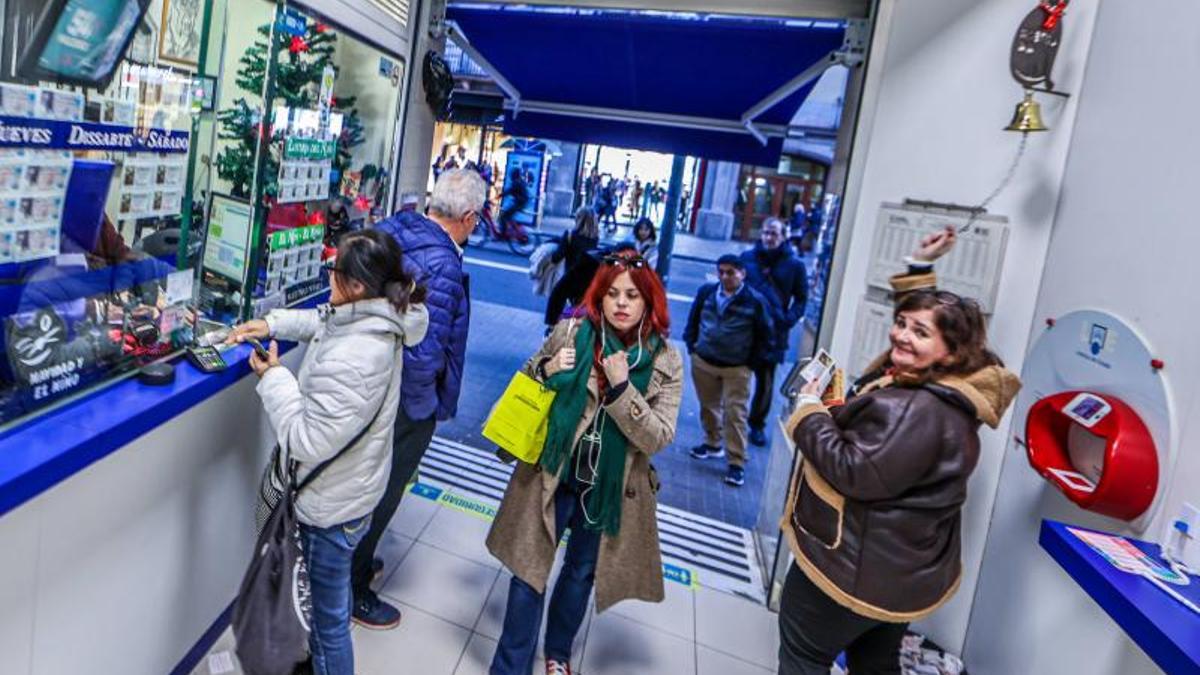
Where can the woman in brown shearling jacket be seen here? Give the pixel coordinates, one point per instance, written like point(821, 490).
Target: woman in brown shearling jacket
point(874, 513)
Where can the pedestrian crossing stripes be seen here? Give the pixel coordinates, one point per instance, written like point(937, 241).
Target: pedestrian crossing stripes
point(722, 556)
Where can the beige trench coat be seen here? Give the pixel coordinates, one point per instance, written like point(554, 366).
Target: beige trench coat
point(630, 564)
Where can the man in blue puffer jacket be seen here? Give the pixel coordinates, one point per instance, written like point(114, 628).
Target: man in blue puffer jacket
point(432, 369)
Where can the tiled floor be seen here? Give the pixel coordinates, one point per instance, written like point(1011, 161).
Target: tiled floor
point(452, 594)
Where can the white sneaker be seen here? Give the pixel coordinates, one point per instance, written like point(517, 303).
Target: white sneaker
point(557, 668)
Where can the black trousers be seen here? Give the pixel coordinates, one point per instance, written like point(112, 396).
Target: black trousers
point(408, 447)
point(813, 630)
point(764, 393)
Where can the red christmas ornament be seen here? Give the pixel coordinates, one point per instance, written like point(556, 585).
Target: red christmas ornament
point(321, 28)
point(1054, 13)
point(298, 45)
point(362, 203)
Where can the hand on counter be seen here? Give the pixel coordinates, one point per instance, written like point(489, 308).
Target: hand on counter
point(257, 329)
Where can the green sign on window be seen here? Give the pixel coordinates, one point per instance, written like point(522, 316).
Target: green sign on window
point(312, 149)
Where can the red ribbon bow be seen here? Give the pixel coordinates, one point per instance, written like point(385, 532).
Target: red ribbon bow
point(1054, 14)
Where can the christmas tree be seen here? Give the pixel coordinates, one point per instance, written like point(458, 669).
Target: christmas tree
point(303, 60)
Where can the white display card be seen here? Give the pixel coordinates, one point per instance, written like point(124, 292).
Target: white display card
point(971, 270)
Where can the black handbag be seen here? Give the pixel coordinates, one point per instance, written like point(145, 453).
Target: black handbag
point(273, 612)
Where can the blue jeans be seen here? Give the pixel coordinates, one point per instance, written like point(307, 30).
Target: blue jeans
point(523, 616)
point(328, 552)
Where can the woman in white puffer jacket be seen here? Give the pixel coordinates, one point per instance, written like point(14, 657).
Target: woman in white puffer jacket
point(349, 379)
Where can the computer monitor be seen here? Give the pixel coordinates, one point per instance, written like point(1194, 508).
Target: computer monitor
point(227, 246)
point(81, 41)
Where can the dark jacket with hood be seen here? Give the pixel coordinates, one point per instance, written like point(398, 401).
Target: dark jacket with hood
point(780, 276)
point(433, 369)
point(874, 513)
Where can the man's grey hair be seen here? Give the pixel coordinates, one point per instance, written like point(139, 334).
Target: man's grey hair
point(457, 192)
point(772, 220)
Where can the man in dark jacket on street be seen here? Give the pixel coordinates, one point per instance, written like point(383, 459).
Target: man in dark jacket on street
point(775, 271)
point(433, 368)
point(728, 333)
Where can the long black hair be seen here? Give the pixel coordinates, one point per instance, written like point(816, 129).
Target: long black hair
point(645, 222)
point(375, 260)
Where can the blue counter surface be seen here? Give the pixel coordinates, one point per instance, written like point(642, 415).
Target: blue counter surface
point(51, 448)
point(1167, 631)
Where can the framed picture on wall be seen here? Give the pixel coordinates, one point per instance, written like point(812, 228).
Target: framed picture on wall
point(180, 32)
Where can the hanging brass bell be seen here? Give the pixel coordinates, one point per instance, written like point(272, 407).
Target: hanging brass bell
point(1028, 116)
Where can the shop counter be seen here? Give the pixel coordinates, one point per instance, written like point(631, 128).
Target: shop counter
point(1165, 629)
point(39, 454)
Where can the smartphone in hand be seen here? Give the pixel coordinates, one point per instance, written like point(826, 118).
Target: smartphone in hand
point(258, 348)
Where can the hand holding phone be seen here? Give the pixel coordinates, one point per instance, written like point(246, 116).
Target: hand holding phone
point(263, 359)
point(259, 349)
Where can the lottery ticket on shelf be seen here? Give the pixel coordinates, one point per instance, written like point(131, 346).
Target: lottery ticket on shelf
point(17, 100)
point(57, 104)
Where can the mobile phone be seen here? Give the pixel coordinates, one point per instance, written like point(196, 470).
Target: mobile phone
point(258, 348)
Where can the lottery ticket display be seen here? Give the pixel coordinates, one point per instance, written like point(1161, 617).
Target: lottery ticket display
point(304, 169)
point(295, 257)
point(152, 185)
point(33, 184)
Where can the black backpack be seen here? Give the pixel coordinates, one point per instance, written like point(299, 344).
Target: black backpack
point(272, 616)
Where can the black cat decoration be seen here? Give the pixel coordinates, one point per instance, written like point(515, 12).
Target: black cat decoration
point(1036, 45)
point(34, 344)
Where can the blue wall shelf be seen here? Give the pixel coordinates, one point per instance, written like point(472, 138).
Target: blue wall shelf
point(1167, 631)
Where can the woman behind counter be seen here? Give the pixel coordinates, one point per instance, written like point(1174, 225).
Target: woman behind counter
point(874, 514)
point(618, 385)
point(349, 379)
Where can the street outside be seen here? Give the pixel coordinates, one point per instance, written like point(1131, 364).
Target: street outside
point(507, 328)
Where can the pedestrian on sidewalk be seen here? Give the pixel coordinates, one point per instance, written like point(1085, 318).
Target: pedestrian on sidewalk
point(728, 333)
point(874, 513)
point(618, 385)
point(605, 205)
point(432, 369)
point(574, 245)
point(339, 408)
point(636, 196)
point(645, 238)
point(570, 289)
point(778, 274)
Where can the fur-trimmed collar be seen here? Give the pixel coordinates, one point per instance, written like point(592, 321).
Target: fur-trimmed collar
point(989, 391)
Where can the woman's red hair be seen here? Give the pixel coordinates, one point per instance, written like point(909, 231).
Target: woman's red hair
point(657, 319)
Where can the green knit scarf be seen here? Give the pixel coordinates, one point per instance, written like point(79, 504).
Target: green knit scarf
point(571, 387)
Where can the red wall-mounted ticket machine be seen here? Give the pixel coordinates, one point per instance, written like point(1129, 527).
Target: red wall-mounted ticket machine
point(1096, 450)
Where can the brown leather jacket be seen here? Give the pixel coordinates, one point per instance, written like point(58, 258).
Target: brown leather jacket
point(874, 513)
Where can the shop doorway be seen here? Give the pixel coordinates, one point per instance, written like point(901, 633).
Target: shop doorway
point(606, 111)
point(765, 193)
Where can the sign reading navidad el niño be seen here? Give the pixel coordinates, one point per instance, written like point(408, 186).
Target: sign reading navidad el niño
point(24, 132)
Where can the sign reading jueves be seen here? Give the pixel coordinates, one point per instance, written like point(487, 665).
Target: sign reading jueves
point(23, 132)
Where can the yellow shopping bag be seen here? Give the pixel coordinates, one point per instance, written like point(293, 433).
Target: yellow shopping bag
point(521, 418)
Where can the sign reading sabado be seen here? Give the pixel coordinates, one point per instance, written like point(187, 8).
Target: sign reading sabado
point(23, 132)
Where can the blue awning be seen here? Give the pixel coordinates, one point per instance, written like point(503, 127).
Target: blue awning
point(588, 75)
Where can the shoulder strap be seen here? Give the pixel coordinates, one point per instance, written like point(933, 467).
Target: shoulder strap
point(315, 473)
